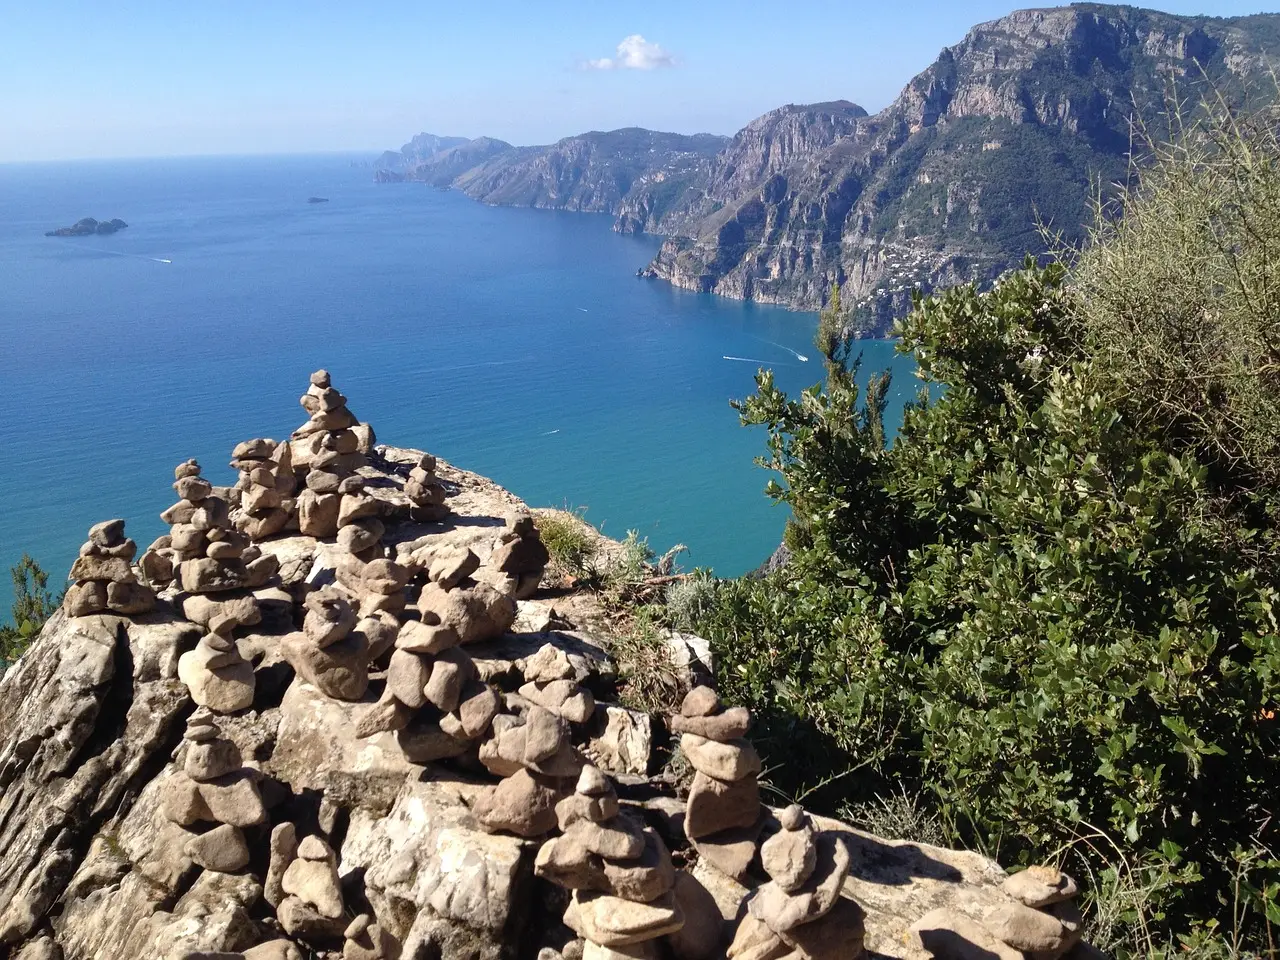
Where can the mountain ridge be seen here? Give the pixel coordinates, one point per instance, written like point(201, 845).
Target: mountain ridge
point(1008, 130)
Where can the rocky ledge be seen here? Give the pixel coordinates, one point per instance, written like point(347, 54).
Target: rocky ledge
point(88, 226)
point(336, 712)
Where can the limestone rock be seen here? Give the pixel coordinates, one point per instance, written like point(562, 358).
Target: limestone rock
point(1040, 886)
point(222, 849)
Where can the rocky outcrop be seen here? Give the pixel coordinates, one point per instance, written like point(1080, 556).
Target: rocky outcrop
point(385, 749)
point(1008, 129)
point(592, 173)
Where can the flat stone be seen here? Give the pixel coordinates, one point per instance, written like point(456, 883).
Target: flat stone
point(102, 568)
point(222, 849)
point(449, 567)
point(731, 724)
point(715, 805)
point(477, 710)
point(426, 741)
point(619, 839)
point(642, 879)
point(386, 715)
point(418, 637)
point(1039, 886)
point(211, 759)
point(234, 799)
point(728, 762)
point(732, 852)
point(1029, 930)
point(614, 922)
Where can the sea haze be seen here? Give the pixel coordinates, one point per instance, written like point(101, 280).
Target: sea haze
point(515, 343)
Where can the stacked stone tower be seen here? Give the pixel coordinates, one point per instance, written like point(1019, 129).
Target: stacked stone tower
point(266, 486)
point(213, 788)
point(620, 872)
point(724, 818)
point(328, 448)
point(104, 579)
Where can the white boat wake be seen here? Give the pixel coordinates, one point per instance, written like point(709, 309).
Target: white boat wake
point(773, 343)
point(763, 363)
point(550, 432)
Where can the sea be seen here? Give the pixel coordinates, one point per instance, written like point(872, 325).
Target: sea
point(516, 343)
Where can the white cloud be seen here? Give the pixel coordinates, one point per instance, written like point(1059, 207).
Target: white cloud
point(634, 53)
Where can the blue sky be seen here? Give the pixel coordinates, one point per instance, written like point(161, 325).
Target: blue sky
point(108, 79)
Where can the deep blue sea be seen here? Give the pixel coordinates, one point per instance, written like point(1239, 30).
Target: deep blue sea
point(516, 343)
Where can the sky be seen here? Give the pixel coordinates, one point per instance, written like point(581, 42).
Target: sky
point(115, 78)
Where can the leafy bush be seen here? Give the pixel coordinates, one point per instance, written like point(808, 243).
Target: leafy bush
point(570, 541)
point(1031, 606)
point(33, 604)
point(1179, 292)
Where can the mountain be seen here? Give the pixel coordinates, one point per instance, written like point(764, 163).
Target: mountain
point(594, 172)
point(418, 150)
point(1012, 129)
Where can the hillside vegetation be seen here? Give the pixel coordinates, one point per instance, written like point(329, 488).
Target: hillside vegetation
point(1044, 616)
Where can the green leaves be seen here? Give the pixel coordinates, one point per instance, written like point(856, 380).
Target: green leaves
point(1029, 606)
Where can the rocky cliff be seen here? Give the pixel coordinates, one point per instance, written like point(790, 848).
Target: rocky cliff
point(591, 173)
point(341, 710)
point(1010, 129)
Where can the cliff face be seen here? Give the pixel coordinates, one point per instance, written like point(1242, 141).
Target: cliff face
point(591, 173)
point(1008, 129)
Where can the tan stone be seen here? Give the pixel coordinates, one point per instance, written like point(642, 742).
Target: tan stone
point(1039, 886)
point(222, 849)
point(715, 805)
point(728, 762)
point(614, 922)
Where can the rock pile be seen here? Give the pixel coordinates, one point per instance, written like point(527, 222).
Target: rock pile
point(724, 818)
point(367, 940)
point(521, 556)
point(800, 910)
point(433, 698)
point(213, 787)
point(426, 491)
point(620, 873)
point(533, 750)
point(217, 676)
point(1040, 920)
point(329, 449)
point(104, 578)
point(266, 486)
point(550, 684)
point(329, 652)
point(203, 551)
point(312, 908)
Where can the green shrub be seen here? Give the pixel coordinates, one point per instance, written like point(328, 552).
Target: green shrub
point(570, 541)
point(33, 604)
point(1031, 606)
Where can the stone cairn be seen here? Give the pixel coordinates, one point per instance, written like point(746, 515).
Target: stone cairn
point(433, 699)
point(213, 787)
point(533, 750)
point(308, 889)
point(218, 677)
point(367, 940)
point(329, 652)
point(104, 579)
point(203, 551)
point(724, 818)
point(521, 556)
point(266, 487)
point(800, 910)
point(328, 448)
point(620, 873)
point(426, 491)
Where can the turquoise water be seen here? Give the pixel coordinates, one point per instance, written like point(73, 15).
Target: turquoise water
point(516, 343)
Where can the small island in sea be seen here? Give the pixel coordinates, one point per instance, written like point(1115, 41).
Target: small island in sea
point(87, 226)
point(317, 199)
